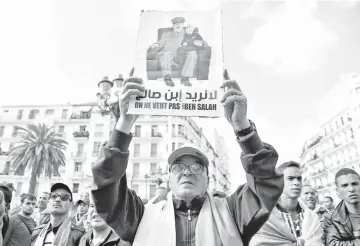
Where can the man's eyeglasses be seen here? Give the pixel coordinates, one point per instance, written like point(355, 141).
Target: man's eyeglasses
point(63, 196)
point(178, 168)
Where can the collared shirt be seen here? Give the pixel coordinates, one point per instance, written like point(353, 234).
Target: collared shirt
point(91, 243)
point(50, 235)
point(294, 225)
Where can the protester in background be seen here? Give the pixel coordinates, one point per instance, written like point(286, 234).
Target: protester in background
point(101, 233)
point(80, 218)
point(42, 214)
point(342, 226)
point(12, 231)
point(190, 215)
point(160, 195)
point(328, 204)
point(16, 209)
point(28, 202)
point(311, 200)
point(291, 222)
point(60, 230)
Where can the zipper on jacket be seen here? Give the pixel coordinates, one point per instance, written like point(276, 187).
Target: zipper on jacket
point(189, 215)
point(189, 227)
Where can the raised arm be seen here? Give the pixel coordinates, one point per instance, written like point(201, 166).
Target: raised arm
point(118, 205)
point(252, 203)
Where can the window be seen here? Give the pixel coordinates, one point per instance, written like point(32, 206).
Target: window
point(49, 112)
point(80, 149)
point(96, 148)
point(152, 191)
point(154, 130)
point(76, 187)
point(135, 188)
point(82, 128)
point(99, 127)
point(136, 170)
point(20, 114)
point(153, 149)
point(173, 147)
point(64, 114)
point(33, 114)
point(153, 167)
point(173, 130)
point(181, 130)
point(137, 131)
point(15, 129)
point(77, 166)
point(2, 130)
point(136, 150)
point(342, 121)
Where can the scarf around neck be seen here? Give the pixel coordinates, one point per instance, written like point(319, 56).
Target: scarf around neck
point(61, 237)
point(215, 225)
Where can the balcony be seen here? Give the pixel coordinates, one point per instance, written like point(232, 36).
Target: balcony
point(78, 156)
point(99, 134)
point(81, 116)
point(78, 174)
point(81, 134)
point(156, 134)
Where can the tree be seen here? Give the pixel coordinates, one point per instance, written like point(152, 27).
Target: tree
point(40, 150)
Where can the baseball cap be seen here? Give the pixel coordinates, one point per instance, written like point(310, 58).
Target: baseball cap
point(188, 150)
point(77, 203)
point(61, 186)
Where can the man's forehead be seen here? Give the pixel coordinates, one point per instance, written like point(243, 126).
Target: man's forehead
point(292, 171)
point(61, 191)
point(308, 188)
point(29, 200)
point(348, 178)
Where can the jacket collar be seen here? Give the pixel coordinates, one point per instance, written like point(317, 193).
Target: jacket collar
point(195, 204)
point(340, 213)
point(113, 237)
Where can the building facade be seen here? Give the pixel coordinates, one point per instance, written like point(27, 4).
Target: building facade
point(337, 143)
point(85, 129)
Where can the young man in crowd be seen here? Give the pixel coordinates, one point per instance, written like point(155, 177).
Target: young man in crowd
point(190, 215)
point(42, 214)
point(101, 233)
point(342, 226)
point(24, 218)
point(12, 231)
point(80, 218)
point(60, 230)
point(291, 222)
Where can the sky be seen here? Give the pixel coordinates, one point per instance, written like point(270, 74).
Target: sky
point(285, 55)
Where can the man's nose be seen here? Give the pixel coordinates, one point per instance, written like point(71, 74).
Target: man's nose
point(187, 171)
point(351, 188)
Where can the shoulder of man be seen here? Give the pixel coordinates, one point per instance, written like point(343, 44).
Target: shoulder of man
point(38, 228)
point(77, 228)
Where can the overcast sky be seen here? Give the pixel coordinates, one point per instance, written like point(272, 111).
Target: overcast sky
point(286, 56)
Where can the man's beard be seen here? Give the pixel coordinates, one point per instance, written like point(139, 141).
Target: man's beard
point(27, 213)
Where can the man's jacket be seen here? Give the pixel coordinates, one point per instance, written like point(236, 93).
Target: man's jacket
point(76, 233)
point(14, 233)
point(337, 228)
point(113, 240)
point(250, 205)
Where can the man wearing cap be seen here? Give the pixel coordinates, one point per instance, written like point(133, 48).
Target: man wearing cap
point(60, 230)
point(12, 231)
point(190, 215)
point(168, 45)
point(80, 218)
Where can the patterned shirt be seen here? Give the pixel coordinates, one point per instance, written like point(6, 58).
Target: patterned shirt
point(294, 225)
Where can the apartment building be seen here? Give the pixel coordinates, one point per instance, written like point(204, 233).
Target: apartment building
point(85, 129)
point(337, 142)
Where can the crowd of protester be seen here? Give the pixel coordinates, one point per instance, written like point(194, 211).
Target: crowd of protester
point(276, 205)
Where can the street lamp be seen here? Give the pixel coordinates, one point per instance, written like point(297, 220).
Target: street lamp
point(107, 101)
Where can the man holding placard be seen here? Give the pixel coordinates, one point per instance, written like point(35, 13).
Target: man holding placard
point(190, 215)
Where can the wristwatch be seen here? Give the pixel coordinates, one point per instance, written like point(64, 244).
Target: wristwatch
point(246, 131)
